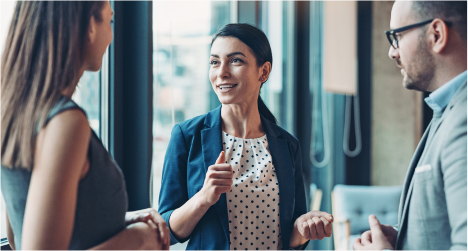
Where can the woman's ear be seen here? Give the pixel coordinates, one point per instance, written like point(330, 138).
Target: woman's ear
point(92, 30)
point(265, 72)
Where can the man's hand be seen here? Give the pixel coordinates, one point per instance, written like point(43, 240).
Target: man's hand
point(376, 238)
point(389, 232)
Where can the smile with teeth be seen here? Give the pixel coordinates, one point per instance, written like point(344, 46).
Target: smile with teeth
point(226, 86)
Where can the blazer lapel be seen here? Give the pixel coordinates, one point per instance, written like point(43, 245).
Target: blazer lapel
point(212, 147)
point(408, 187)
point(285, 173)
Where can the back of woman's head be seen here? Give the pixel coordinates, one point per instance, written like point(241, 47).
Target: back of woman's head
point(257, 41)
point(43, 57)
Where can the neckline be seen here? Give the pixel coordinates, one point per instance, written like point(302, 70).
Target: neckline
point(259, 138)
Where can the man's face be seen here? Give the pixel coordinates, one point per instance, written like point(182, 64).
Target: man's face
point(412, 55)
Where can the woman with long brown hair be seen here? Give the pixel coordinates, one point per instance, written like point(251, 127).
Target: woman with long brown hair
point(61, 187)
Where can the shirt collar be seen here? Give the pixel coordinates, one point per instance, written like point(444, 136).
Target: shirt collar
point(440, 98)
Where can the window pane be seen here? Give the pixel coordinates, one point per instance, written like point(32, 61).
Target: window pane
point(276, 91)
point(182, 34)
point(6, 12)
point(87, 95)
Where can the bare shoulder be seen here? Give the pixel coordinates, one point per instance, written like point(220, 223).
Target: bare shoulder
point(70, 124)
point(64, 141)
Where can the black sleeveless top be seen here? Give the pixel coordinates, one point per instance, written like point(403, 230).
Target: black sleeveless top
point(101, 200)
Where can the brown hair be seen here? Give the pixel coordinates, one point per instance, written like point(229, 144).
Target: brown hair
point(43, 56)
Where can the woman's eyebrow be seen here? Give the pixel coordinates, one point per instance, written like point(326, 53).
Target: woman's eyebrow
point(235, 53)
point(230, 54)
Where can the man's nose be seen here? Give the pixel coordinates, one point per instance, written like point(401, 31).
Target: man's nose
point(393, 53)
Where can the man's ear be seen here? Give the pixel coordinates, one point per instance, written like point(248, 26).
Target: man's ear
point(438, 35)
point(92, 31)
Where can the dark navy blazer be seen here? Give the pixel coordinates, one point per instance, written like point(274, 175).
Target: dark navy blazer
point(194, 146)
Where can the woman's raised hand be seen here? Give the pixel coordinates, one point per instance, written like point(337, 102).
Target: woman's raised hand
point(218, 180)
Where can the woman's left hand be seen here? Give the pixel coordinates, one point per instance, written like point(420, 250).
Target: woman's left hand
point(313, 225)
point(151, 214)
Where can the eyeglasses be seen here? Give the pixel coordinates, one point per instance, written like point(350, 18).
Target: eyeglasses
point(391, 34)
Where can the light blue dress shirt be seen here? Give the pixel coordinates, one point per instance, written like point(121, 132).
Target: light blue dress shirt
point(440, 98)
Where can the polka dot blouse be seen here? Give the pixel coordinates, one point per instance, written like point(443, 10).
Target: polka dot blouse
point(253, 202)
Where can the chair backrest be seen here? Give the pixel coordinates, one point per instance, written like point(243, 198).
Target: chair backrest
point(356, 203)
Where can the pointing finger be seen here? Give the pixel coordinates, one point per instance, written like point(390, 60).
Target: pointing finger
point(221, 158)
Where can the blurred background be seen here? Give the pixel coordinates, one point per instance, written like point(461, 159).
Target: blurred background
point(332, 86)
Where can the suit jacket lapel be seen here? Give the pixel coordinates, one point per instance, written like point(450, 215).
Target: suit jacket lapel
point(285, 173)
point(212, 146)
point(408, 186)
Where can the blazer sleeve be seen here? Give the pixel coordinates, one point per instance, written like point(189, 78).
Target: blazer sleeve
point(300, 206)
point(173, 193)
point(454, 166)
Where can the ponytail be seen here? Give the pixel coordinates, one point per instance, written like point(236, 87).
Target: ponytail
point(263, 109)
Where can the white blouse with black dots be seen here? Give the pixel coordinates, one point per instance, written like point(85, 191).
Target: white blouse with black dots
point(253, 202)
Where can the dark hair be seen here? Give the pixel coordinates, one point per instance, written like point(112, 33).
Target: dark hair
point(43, 56)
point(452, 11)
point(257, 41)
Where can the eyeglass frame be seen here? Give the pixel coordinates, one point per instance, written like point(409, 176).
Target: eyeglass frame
point(391, 33)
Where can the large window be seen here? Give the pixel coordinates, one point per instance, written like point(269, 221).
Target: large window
point(6, 12)
point(87, 95)
point(277, 23)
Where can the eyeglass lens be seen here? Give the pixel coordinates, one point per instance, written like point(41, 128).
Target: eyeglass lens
point(393, 41)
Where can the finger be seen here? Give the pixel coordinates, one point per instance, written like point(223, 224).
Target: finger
point(376, 231)
point(166, 247)
point(224, 174)
point(304, 231)
point(221, 167)
point(312, 230)
point(366, 238)
point(357, 244)
point(152, 224)
point(163, 231)
point(220, 182)
point(319, 214)
point(327, 227)
point(319, 228)
point(141, 217)
point(221, 158)
point(222, 189)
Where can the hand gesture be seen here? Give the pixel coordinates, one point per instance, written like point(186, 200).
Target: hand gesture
point(218, 180)
point(314, 225)
point(150, 214)
point(379, 238)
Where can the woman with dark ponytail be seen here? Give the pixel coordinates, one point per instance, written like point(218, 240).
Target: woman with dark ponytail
point(232, 178)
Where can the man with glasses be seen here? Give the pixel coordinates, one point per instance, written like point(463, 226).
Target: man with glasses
point(428, 42)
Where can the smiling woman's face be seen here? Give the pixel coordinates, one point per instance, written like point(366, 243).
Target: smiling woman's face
point(234, 74)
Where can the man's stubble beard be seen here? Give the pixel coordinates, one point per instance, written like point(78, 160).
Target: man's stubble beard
point(420, 70)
